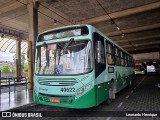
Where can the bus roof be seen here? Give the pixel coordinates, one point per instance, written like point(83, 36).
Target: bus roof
point(81, 25)
point(111, 41)
point(63, 27)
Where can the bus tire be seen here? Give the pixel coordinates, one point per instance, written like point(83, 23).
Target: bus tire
point(111, 92)
point(130, 83)
point(109, 101)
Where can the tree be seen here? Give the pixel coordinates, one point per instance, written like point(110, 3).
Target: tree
point(5, 68)
point(25, 68)
point(13, 69)
point(22, 60)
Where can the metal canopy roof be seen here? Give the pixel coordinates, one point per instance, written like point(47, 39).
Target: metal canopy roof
point(132, 24)
point(9, 44)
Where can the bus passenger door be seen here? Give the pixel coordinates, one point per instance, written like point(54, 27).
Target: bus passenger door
point(100, 66)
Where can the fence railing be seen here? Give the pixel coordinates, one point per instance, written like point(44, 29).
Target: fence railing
point(11, 74)
point(8, 82)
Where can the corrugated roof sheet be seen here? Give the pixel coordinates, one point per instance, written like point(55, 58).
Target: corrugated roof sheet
point(9, 44)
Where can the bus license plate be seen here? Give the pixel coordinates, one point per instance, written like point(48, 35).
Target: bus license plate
point(55, 100)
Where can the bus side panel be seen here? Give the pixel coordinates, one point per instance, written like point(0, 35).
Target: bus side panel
point(102, 92)
point(124, 77)
point(118, 79)
point(102, 87)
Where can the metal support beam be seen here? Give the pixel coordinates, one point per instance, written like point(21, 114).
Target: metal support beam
point(11, 33)
point(33, 32)
point(123, 13)
point(137, 39)
point(145, 48)
point(132, 30)
point(142, 44)
point(10, 6)
point(146, 60)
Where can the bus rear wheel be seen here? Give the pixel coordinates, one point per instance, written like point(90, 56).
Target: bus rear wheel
point(109, 101)
point(130, 83)
point(111, 92)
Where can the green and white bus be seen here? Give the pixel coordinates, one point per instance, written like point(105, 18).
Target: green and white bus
point(79, 67)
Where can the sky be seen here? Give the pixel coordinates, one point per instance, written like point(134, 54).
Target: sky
point(5, 56)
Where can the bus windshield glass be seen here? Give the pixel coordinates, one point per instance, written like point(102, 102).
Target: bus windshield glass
point(139, 68)
point(64, 58)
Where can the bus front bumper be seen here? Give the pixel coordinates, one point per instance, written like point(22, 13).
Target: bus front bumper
point(139, 72)
point(85, 101)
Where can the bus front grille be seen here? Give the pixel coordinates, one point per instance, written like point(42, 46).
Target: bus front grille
point(57, 82)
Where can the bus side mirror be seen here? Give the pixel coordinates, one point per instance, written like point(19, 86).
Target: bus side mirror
point(99, 52)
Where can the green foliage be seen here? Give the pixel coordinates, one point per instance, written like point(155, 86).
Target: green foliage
point(22, 61)
point(13, 69)
point(5, 68)
point(25, 68)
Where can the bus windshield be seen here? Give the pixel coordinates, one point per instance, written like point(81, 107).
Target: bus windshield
point(64, 58)
point(139, 68)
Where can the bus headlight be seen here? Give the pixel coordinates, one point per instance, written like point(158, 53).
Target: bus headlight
point(88, 87)
point(79, 92)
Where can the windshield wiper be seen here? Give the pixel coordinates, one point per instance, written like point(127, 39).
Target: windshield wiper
point(66, 45)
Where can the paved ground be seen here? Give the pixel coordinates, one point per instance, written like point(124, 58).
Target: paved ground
point(143, 96)
point(12, 88)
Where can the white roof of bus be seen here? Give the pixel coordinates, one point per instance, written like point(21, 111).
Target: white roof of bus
point(70, 26)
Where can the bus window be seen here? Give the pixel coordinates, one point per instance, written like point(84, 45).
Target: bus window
point(125, 59)
point(122, 58)
point(129, 61)
point(133, 62)
point(110, 53)
point(117, 57)
point(99, 52)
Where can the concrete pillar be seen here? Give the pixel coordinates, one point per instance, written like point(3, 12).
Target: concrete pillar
point(33, 32)
point(18, 59)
